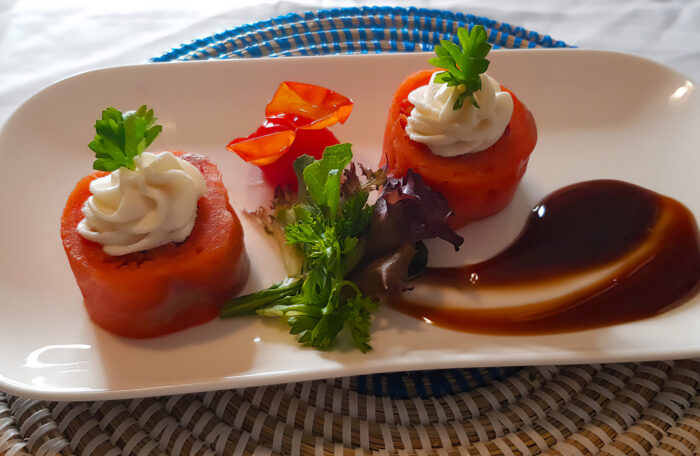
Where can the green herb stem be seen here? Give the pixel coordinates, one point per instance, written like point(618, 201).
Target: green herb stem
point(354, 257)
point(250, 303)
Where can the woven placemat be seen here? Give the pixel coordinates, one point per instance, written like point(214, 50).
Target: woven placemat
point(610, 409)
point(615, 409)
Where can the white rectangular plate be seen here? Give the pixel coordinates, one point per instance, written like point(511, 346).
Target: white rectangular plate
point(599, 115)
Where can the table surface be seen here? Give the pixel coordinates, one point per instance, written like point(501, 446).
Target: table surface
point(42, 41)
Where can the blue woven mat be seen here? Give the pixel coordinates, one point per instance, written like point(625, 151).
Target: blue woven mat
point(352, 30)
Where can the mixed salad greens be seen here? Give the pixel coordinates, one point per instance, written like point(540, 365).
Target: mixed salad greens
point(342, 253)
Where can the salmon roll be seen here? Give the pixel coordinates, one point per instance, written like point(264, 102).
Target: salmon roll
point(151, 253)
point(468, 137)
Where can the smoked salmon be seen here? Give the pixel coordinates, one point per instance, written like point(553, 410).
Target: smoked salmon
point(476, 185)
point(164, 289)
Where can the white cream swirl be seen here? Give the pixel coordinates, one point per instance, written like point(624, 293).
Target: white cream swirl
point(449, 133)
point(153, 205)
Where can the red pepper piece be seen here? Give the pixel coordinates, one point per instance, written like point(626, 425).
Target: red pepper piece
point(296, 121)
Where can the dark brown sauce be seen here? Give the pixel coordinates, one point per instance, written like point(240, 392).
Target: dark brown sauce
point(643, 245)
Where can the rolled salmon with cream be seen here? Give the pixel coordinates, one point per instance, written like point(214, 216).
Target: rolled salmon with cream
point(468, 137)
point(151, 238)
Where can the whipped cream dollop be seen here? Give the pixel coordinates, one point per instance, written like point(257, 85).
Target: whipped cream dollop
point(449, 133)
point(153, 205)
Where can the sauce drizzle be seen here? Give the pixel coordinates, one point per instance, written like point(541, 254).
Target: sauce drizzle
point(592, 254)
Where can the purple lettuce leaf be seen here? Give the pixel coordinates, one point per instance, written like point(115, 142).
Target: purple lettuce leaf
point(408, 211)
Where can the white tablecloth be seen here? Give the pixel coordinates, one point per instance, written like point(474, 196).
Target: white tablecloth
point(42, 41)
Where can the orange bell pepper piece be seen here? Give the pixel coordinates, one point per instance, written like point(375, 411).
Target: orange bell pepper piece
point(307, 106)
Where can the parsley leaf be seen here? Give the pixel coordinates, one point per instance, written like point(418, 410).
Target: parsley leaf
point(358, 320)
point(322, 177)
point(121, 137)
point(464, 64)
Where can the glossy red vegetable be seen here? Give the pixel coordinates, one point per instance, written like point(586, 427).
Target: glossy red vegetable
point(296, 123)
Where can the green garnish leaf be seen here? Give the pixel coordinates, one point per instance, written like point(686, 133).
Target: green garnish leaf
point(299, 166)
point(322, 178)
point(119, 138)
point(358, 321)
point(464, 64)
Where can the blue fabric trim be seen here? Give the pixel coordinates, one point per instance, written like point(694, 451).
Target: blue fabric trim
point(459, 378)
point(361, 384)
point(427, 384)
point(410, 29)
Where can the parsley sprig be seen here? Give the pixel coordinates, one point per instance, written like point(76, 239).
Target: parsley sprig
point(325, 226)
point(119, 138)
point(463, 64)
